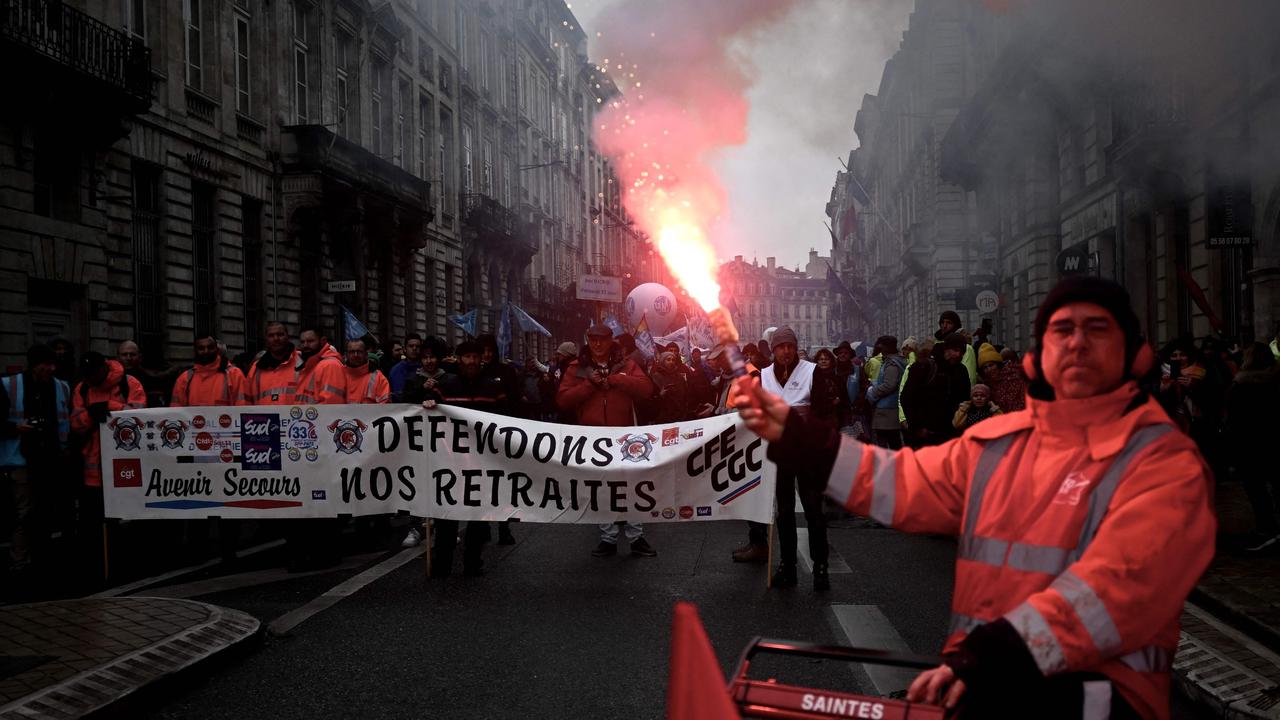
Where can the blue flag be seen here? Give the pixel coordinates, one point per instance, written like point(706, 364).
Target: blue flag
point(351, 325)
point(504, 331)
point(611, 322)
point(466, 321)
point(526, 321)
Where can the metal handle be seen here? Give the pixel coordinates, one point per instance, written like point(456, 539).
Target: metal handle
point(832, 652)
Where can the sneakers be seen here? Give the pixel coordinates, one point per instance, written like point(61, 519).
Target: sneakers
point(751, 554)
point(605, 549)
point(821, 581)
point(785, 576)
point(641, 548)
point(412, 539)
point(1271, 543)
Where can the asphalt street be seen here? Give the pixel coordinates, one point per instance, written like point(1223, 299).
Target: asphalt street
point(549, 630)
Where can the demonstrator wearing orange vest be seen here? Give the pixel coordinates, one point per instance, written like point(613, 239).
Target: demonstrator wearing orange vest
point(286, 375)
point(1084, 521)
point(212, 381)
point(365, 385)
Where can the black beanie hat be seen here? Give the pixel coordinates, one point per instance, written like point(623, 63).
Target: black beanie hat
point(1099, 291)
point(39, 354)
point(1105, 293)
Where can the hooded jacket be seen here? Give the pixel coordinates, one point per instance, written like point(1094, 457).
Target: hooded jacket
point(1083, 526)
point(109, 392)
point(295, 380)
point(366, 385)
point(217, 383)
point(614, 405)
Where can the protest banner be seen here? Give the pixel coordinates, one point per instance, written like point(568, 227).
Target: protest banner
point(331, 460)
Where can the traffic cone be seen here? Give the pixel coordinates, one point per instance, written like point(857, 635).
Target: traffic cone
point(695, 690)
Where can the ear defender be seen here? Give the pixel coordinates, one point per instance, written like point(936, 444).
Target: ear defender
point(1143, 361)
point(1029, 365)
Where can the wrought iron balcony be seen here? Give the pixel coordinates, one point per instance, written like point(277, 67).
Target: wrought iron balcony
point(58, 32)
point(484, 213)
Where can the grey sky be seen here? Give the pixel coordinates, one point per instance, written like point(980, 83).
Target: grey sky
point(811, 70)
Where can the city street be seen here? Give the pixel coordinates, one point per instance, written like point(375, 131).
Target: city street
point(550, 631)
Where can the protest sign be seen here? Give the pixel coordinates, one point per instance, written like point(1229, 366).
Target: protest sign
point(330, 460)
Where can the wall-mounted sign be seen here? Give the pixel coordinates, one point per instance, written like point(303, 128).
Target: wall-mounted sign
point(600, 288)
point(337, 286)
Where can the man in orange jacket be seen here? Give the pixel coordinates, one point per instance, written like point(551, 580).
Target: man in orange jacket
point(1084, 521)
point(211, 381)
point(105, 389)
point(365, 384)
point(285, 375)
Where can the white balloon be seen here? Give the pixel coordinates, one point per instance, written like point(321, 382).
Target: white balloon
point(654, 302)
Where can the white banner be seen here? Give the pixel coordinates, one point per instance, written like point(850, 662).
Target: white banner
point(329, 460)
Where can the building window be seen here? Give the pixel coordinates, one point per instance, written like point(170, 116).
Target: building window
point(251, 234)
point(466, 159)
point(341, 65)
point(375, 104)
point(446, 163)
point(195, 66)
point(424, 132)
point(486, 168)
point(242, 61)
point(56, 174)
point(148, 283)
point(484, 61)
point(203, 258)
point(301, 62)
point(135, 18)
point(445, 81)
point(403, 126)
point(508, 173)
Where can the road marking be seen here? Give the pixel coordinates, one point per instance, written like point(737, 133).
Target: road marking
point(346, 588)
point(222, 583)
point(867, 627)
point(835, 563)
point(145, 582)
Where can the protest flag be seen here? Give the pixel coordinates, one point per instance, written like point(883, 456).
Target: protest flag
point(351, 325)
point(644, 341)
point(695, 687)
point(526, 321)
point(466, 321)
point(504, 331)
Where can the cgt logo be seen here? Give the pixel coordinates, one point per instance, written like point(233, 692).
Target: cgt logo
point(670, 436)
point(127, 472)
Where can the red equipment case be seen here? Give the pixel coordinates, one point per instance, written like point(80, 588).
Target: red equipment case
point(771, 699)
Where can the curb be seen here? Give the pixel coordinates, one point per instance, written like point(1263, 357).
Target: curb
point(97, 688)
point(1223, 671)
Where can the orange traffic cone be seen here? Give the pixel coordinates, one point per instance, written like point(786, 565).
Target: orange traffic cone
point(695, 690)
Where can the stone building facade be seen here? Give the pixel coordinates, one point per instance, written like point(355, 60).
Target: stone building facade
point(1072, 138)
point(166, 167)
point(772, 296)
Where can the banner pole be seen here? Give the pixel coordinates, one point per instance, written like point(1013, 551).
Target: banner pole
point(106, 553)
point(427, 540)
point(768, 565)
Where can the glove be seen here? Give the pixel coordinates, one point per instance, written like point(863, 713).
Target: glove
point(98, 412)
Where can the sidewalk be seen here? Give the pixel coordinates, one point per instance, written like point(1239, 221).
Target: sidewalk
point(1229, 656)
point(67, 658)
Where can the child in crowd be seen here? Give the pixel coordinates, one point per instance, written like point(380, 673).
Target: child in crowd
point(978, 408)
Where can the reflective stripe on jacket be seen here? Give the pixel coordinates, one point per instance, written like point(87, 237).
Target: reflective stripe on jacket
point(1084, 526)
point(10, 449)
point(365, 386)
point(318, 381)
point(220, 383)
point(109, 393)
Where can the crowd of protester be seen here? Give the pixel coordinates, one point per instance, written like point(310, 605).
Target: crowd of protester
point(915, 392)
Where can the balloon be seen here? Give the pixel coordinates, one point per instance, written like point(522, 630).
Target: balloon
point(654, 302)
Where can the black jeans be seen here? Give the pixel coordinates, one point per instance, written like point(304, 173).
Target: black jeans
point(473, 540)
point(811, 501)
point(890, 439)
point(1056, 698)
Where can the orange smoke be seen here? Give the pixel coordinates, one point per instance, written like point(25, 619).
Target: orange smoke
point(684, 98)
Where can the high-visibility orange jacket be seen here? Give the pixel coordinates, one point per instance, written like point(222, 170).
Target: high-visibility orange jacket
point(110, 391)
point(365, 386)
point(218, 383)
point(317, 381)
point(1083, 526)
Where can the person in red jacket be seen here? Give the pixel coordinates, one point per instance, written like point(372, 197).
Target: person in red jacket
point(365, 384)
point(211, 381)
point(105, 389)
point(601, 388)
point(1084, 521)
